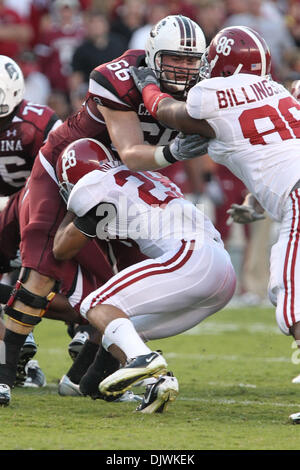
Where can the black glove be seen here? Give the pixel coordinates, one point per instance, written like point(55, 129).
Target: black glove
point(143, 76)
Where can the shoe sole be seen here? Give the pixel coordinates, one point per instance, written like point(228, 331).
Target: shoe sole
point(33, 385)
point(123, 379)
point(161, 404)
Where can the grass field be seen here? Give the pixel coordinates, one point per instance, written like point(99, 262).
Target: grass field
point(234, 370)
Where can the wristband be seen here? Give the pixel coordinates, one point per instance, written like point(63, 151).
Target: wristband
point(163, 156)
point(152, 96)
point(160, 158)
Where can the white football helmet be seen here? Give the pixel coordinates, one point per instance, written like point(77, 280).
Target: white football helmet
point(175, 35)
point(12, 85)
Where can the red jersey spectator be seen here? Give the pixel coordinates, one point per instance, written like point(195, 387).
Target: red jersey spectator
point(15, 32)
point(58, 42)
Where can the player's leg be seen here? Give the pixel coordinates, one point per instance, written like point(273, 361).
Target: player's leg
point(285, 269)
point(152, 289)
point(119, 256)
point(40, 210)
point(284, 291)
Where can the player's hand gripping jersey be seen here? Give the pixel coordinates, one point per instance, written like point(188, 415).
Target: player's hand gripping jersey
point(257, 127)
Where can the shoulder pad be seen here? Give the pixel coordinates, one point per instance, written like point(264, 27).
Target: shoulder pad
point(111, 84)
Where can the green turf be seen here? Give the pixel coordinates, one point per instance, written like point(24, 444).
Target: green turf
point(234, 370)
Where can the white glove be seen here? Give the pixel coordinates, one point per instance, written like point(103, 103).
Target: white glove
point(243, 214)
point(185, 147)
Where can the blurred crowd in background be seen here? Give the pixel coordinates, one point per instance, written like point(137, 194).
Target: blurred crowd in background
point(58, 42)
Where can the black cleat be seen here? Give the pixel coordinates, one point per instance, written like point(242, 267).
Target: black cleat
point(77, 344)
point(137, 369)
point(27, 352)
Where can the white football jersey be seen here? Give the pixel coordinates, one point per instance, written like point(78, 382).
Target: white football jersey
point(145, 207)
point(257, 127)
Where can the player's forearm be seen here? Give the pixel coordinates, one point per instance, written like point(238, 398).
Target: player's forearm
point(170, 113)
point(68, 241)
point(141, 158)
point(165, 109)
point(173, 113)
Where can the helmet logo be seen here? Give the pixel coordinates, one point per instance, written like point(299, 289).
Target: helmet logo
point(224, 45)
point(213, 62)
point(68, 161)
point(12, 71)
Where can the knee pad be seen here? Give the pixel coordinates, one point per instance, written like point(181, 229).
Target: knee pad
point(31, 300)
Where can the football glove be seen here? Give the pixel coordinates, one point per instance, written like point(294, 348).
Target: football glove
point(243, 214)
point(143, 76)
point(185, 147)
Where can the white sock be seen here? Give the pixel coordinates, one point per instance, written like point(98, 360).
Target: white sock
point(122, 333)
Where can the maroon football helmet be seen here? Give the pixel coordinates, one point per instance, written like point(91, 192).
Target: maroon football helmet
point(237, 49)
point(79, 158)
point(295, 89)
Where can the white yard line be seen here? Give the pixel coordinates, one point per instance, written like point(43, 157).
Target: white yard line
point(222, 357)
point(214, 328)
point(223, 401)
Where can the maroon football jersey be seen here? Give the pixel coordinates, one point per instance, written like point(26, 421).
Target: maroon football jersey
point(111, 85)
point(20, 141)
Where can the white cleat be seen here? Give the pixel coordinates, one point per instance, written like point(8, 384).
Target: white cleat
point(158, 396)
point(296, 380)
point(128, 397)
point(35, 377)
point(295, 418)
point(66, 388)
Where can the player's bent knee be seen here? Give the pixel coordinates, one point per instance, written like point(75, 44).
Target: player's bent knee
point(33, 305)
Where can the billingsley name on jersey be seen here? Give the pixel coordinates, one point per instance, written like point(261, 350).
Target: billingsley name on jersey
point(248, 94)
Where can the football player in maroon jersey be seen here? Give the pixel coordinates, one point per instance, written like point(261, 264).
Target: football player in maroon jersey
point(24, 127)
point(114, 114)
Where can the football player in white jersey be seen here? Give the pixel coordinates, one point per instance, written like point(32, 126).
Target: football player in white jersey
point(187, 277)
point(253, 124)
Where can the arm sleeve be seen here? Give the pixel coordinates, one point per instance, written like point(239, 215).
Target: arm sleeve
point(87, 224)
point(194, 102)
